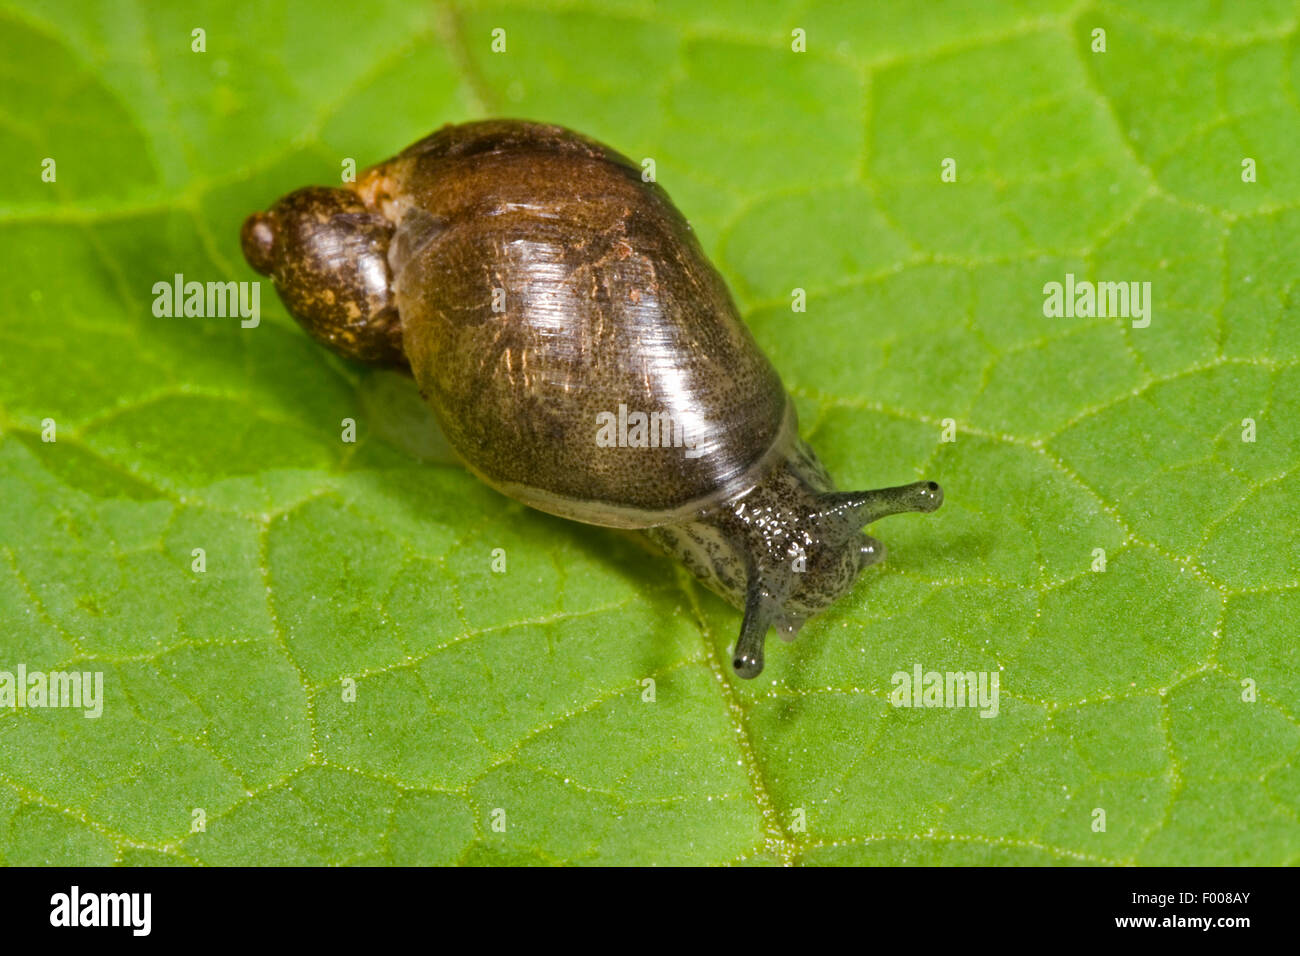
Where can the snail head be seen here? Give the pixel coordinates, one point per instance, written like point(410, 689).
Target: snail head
point(820, 549)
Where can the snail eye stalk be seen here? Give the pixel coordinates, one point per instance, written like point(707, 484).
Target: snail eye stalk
point(759, 615)
point(864, 507)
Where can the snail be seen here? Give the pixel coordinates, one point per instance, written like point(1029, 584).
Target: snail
point(581, 355)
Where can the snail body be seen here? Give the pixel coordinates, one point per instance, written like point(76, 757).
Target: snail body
point(581, 355)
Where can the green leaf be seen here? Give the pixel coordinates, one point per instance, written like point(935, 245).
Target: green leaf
point(1162, 690)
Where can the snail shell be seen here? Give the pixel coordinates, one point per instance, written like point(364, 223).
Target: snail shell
point(581, 355)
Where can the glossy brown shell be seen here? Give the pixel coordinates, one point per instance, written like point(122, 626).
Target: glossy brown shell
point(608, 301)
